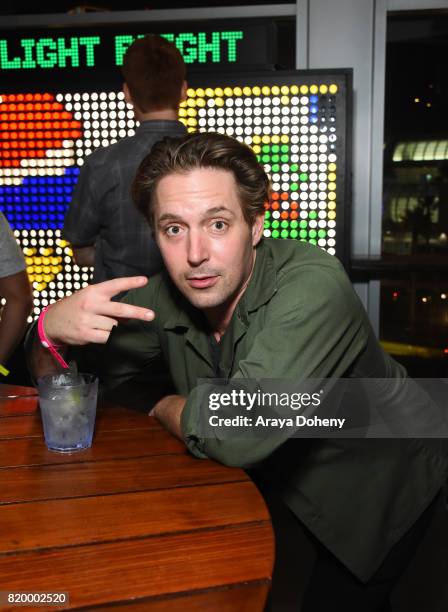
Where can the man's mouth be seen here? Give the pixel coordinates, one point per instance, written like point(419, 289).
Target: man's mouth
point(202, 282)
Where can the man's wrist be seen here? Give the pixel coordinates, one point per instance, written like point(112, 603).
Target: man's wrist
point(168, 412)
point(47, 342)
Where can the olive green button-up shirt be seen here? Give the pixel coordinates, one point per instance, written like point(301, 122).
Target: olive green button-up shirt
point(298, 319)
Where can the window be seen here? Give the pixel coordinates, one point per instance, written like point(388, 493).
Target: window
point(414, 304)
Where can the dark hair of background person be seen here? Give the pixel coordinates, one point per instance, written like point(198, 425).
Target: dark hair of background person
point(148, 63)
point(203, 150)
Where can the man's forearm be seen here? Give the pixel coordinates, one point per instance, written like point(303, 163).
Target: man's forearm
point(168, 412)
point(12, 326)
point(84, 256)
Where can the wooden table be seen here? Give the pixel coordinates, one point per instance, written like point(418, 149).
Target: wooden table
point(134, 523)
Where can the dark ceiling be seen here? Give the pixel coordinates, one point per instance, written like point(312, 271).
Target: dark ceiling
point(22, 7)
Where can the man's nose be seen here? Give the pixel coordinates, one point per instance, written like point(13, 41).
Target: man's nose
point(197, 248)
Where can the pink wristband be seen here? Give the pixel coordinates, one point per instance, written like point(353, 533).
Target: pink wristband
point(46, 342)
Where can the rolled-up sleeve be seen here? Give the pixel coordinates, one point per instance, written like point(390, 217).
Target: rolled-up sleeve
point(314, 327)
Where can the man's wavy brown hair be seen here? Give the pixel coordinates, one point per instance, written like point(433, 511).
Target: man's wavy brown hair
point(202, 150)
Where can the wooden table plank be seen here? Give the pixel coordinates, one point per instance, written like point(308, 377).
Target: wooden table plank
point(145, 567)
point(110, 445)
point(94, 519)
point(111, 476)
point(20, 405)
point(134, 523)
point(15, 407)
point(238, 598)
point(108, 419)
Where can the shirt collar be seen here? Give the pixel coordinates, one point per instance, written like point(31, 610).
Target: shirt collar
point(160, 125)
point(263, 283)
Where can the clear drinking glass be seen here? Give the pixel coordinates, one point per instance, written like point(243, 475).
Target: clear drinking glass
point(68, 410)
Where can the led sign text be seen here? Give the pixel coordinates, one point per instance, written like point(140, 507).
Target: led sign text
point(80, 51)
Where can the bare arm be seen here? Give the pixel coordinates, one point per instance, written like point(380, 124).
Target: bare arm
point(17, 292)
point(168, 411)
point(84, 256)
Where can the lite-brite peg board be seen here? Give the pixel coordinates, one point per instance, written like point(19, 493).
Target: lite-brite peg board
point(296, 123)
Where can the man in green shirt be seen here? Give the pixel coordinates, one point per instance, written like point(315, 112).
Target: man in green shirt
point(234, 306)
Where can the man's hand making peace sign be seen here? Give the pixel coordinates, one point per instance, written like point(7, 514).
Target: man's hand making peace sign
point(90, 315)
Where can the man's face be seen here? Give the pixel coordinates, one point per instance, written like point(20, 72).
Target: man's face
point(206, 244)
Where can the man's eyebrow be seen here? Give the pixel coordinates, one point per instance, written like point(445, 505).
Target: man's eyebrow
point(208, 213)
point(218, 209)
point(169, 217)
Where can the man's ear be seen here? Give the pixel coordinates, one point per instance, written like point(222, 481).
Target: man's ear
point(127, 94)
point(183, 91)
point(257, 229)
